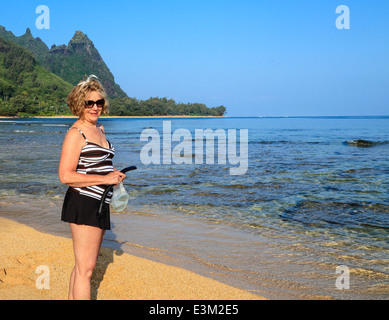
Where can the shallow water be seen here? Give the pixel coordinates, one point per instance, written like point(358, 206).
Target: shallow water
point(311, 200)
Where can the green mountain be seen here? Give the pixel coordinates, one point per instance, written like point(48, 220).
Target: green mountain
point(26, 87)
point(33, 61)
point(72, 62)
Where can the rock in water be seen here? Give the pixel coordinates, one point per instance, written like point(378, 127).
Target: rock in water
point(361, 143)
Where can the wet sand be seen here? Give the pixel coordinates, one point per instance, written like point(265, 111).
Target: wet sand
point(118, 275)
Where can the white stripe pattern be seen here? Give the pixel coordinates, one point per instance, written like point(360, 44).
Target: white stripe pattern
point(95, 159)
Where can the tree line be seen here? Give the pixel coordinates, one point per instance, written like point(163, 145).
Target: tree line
point(156, 106)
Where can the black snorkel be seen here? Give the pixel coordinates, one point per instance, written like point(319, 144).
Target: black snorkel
point(103, 205)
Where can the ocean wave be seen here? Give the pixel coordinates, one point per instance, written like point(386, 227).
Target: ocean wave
point(54, 125)
point(24, 131)
point(31, 131)
point(124, 133)
point(153, 190)
point(34, 123)
point(286, 142)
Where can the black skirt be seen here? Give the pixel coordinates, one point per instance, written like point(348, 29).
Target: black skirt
point(82, 210)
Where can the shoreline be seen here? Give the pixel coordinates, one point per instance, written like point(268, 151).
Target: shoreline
point(211, 117)
point(108, 117)
point(118, 275)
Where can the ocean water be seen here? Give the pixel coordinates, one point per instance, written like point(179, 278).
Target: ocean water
point(314, 197)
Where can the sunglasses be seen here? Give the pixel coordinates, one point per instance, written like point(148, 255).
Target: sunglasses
point(90, 103)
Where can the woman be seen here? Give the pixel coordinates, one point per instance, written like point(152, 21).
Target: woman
point(86, 167)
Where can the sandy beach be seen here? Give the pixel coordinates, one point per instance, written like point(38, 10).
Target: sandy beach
point(118, 276)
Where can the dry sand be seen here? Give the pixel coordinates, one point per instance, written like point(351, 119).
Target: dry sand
point(118, 276)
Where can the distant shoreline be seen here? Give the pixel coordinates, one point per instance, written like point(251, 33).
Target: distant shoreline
point(224, 117)
point(107, 117)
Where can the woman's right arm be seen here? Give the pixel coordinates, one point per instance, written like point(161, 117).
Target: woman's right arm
point(71, 150)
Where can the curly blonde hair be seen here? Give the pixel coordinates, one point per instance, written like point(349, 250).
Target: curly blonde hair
point(76, 98)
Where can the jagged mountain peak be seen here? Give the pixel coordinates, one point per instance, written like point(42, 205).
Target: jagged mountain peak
point(80, 37)
point(82, 44)
point(70, 62)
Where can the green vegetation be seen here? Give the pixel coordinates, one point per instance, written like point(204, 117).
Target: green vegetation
point(27, 88)
point(161, 107)
point(35, 80)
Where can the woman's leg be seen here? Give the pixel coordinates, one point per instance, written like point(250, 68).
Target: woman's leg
point(70, 297)
point(86, 245)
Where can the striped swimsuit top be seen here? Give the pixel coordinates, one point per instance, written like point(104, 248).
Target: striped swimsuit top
point(95, 159)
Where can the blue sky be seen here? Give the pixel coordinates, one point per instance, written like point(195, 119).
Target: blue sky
point(257, 58)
